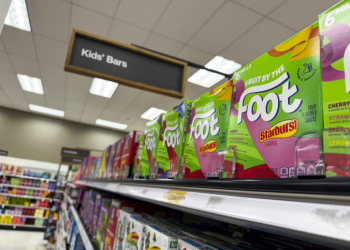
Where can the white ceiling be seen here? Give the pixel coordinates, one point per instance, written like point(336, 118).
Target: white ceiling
point(195, 30)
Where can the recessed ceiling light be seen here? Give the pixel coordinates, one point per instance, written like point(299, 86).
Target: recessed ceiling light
point(46, 110)
point(30, 84)
point(17, 16)
point(152, 113)
point(111, 124)
point(103, 88)
point(223, 65)
point(205, 78)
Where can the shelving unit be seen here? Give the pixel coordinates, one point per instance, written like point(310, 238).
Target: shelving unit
point(44, 208)
point(30, 197)
point(26, 187)
point(317, 218)
point(27, 177)
point(22, 226)
point(85, 237)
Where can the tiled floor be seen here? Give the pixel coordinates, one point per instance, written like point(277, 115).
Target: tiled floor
point(21, 240)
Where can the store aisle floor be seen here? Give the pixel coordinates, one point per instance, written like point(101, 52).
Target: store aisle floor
point(22, 240)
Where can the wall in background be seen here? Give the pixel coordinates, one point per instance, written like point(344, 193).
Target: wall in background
point(37, 137)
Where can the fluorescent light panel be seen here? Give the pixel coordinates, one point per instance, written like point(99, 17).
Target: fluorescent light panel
point(223, 65)
point(46, 110)
point(103, 88)
point(152, 113)
point(205, 78)
point(17, 16)
point(31, 84)
point(111, 124)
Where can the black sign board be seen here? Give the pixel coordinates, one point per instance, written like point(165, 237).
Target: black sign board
point(4, 152)
point(104, 58)
point(74, 152)
point(71, 160)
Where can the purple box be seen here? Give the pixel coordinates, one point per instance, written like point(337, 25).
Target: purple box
point(100, 199)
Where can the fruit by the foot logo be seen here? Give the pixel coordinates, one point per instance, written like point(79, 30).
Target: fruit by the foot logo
point(172, 136)
point(282, 129)
point(150, 141)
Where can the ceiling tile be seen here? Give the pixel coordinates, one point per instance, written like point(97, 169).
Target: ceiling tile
point(163, 45)
point(14, 92)
point(126, 118)
point(128, 33)
point(76, 95)
point(106, 7)
point(5, 63)
point(139, 125)
point(88, 118)
point(184, 27)
point(50, 18)
point(97, 101)
point(126, 94)
point(193, 55)
point(90, 21)
point(167, 103)
point(4, 100)
point(147, 98)
point(51, 51)
point(18, 42)
point(25, 66)
point(19, 103)
point(54, 90)
point(79, 82)
point(52, 74)
point(10, 79)
point(247, 48)
point(298, 14)
point(118, 105)
point(228, 23)
point(141, 13)
point(110, 115)
point(92, 110)
point(55, 103)
point(261, 6)
point(74, 106)
point(137, 109)
point(72, 115)
point(35, 99)
point(2, 48)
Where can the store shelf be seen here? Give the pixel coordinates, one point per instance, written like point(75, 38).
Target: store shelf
point(22, 226)
point(11, 205)
point(26, 187)
point(69, 199)
point(23, 216)
point(84, 236)
point(69, 184)
point(30, 197)
point(28, 177)
point(300, 216)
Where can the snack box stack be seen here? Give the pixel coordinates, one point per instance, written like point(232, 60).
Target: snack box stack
point(117, 158)
point(172, 139)
point(102, 200)
point(131, 143)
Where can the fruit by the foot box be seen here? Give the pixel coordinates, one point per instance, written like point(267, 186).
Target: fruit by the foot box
point(207, 132)
point(172, 138)
point(131, 143)
point(112, 224)
point(276, 98)
point(150, 146)
point(335, 63)
point(102, 224)
point(117, 158)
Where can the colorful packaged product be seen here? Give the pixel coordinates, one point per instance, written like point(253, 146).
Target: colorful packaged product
point(335, 63)
point(172, 138)
point(113, 221)
point(135, 233)
point(117, 158)
point(131, 143)
point(207, 131)
point(137, 159)
point(276, 98)
point(121, 229)
point(104, 162)
point(102, 200)
point(110, 164)
point(158, 238)
point(193, 244)
point(150, 147)
point(102, 223)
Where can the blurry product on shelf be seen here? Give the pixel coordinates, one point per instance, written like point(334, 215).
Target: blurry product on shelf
point(117, 158)
point(284, 86)
point(102, 223)
point(335, 63)
point(158, 238)
point(135, 232)
point(112, 225)
point(102, 200)
point(104, 162)
point(194, 244)
point(95, 168)
point(131, 143)
point(110, 163)
point(150, 147)
point(121, 229)
point(172, 138)
point(207, 131)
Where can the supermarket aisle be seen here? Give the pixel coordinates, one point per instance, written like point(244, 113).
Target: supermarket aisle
point(21, 240)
